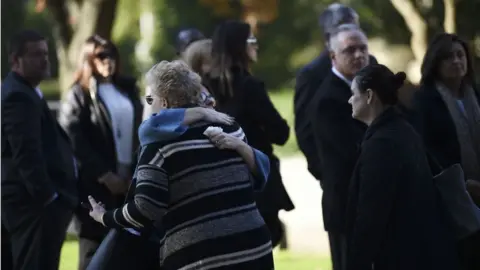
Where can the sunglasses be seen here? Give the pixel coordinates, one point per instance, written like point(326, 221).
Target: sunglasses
point(104, 55)
point(149, 99)
point(252, 41)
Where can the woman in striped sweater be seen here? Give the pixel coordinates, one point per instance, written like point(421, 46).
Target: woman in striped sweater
point(201, 197)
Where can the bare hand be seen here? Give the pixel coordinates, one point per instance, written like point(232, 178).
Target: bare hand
point(210, 115)
point(223, 140)
point(114, 183)
point(98, 210)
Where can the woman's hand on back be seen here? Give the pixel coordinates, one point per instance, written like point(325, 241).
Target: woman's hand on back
point(193, 115)
point(223, 140)
point(210, 115)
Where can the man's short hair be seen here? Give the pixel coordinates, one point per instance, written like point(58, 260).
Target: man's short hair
point(175, 82)
point(16, 46)
point(333, 38)
point(335, 15)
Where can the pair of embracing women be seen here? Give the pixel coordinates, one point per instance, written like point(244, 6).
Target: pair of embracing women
point(192, 186)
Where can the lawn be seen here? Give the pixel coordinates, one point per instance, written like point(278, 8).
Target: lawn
point(282, 99)
point(283, 260)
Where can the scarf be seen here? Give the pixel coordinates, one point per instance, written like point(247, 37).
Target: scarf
point(467, 125)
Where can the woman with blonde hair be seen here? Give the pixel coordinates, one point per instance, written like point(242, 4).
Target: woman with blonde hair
point(101, 114)
point(199, 57)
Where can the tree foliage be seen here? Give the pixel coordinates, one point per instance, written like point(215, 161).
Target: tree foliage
point(287, 30)
point(73, 22)
point(13, 14)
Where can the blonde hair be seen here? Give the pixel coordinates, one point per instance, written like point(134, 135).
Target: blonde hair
point(175, 82)
point(198, 53)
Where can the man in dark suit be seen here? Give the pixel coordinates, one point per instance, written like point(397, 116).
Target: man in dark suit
point(38, 168)
point(337, 135)
point(309, 79)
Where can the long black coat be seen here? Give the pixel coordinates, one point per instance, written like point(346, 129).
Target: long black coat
point(337, 138)
point(88, 124)
point(394, 217)
point(435, 124)
point(433, 121)
point(263, 126)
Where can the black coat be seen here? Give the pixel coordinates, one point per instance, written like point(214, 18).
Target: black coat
point(85, 118)
point(263, 125)
point(394, 217)
point(37, 160)
point(435, 124)
point(308, 81)
point(337, 137)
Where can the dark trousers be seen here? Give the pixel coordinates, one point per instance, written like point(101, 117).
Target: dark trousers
point(129, 252)
point(36, 233)
point(469, 252)
point(136, 253)
point(338, 250)
point(7, 260)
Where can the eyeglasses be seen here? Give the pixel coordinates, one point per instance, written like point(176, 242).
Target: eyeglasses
point(149, 99)
point(206, 95)
point(252, 40)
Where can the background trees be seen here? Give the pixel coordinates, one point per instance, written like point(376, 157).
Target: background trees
point(286, 29)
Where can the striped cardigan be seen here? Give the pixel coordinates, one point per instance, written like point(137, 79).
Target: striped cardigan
point(202, 199)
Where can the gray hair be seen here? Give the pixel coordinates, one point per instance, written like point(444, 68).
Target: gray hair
point(175, 82)
point(333, 41)
point(335, 15)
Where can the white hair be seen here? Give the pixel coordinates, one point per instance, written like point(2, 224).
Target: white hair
point(334, 35)
point(175, 82)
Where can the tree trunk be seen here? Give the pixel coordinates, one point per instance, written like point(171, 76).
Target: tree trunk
point(419, 40)
point(449, 23)
point(148, 23)
point(71, 31)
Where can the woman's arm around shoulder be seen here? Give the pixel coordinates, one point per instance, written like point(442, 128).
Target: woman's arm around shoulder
point(171, 123)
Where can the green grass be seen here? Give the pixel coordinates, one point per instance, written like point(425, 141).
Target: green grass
point(50, 89)
point(282, 99)
point(283, 260)
point(69, 257)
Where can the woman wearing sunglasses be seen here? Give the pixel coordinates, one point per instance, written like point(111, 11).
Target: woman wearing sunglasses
point(242, 95)
point(101, 114)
